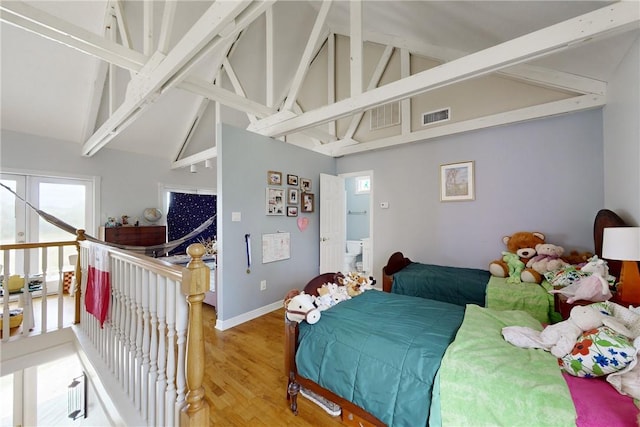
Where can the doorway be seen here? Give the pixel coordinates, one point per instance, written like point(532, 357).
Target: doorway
point(359, 219)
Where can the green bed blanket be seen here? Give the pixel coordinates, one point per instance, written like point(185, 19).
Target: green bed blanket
point(455, 285)
point(485, 381)
point(386, 359)
point(530, 297)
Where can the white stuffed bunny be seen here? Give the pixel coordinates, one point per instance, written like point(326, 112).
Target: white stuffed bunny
point(591, 288)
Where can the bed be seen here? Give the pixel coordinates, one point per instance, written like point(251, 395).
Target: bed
point(463, 286)
point(421, 367)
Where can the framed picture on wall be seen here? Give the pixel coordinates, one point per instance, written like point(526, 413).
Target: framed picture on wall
point(292, 196)
point(292, 180)
point(457, 182)
point(275, 201)
point(307, 202)
point(292, 211)
point(274, 178)
point(305, 185)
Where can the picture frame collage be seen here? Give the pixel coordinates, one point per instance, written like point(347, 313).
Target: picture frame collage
point(289, 199)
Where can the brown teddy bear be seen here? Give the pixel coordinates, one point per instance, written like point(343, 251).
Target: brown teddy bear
point(577, 258)
point(523, 244)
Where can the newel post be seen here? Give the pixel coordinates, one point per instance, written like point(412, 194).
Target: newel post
point(196, 410)
point(78, 277)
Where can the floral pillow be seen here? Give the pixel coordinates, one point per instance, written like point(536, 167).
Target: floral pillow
point(565, 276)
point(598, 352)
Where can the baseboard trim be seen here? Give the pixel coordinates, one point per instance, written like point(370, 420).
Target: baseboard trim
point(222, 325)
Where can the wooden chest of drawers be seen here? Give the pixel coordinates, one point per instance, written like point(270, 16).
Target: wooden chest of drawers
point(135, 236)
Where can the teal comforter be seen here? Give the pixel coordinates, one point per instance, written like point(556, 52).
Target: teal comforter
point(455, 285)
point(386, 357)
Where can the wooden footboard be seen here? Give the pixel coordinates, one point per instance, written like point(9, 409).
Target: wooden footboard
point(351, 413)
point(397, 261)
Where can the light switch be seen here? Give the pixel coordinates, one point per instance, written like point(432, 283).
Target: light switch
point(384, 205)
point(236, 216)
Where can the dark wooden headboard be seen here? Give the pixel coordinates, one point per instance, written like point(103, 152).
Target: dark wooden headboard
point(606, 218)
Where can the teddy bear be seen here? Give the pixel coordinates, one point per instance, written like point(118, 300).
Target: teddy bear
point(356, 283)
point(523, 244)
point(548, 258)
point(577, 258)
point(561, 337)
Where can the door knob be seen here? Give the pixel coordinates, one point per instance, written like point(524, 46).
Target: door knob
point(324, 239)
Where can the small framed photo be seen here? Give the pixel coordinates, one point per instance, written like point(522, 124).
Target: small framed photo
point(292, 180)
point(305, 185)
point(275, 201)
point(292, 196)
point(457, 182)
point(307, 202)
point(274, 178)
point(292, 211)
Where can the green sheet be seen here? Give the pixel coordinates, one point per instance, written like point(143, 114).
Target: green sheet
point(530, 297)
point(485, 381)
point(455, 285)
point(386, 359)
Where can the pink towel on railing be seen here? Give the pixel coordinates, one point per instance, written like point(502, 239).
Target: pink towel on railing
point(98, 294)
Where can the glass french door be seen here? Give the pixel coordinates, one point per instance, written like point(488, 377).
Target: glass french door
point(69, 199)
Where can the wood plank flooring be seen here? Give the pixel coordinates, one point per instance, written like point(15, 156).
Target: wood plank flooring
point(245, 383)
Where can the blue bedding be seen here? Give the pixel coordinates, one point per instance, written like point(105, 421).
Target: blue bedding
point(454, 285)
point(386, 359)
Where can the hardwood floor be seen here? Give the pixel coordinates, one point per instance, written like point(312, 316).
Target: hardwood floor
point(245, 382)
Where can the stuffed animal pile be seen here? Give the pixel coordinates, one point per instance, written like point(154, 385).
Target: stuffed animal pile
point(523, 245)
point(593, 287)
point(300, 306)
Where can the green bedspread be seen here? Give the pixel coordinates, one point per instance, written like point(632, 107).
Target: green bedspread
point(530, 297)
point(386, 359)
point(485, 381)
point(455, 285)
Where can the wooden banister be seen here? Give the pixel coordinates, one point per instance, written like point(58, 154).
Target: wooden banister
point(78, 277)
point(196, 410)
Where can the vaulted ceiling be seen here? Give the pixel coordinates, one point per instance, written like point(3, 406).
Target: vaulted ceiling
point(154, 77)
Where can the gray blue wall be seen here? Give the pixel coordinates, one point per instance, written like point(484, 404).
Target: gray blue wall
point(358, 206)
point(544, 175)
point(246, 157)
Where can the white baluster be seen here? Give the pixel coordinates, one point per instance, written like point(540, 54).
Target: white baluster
point(60, 287)
point(170, 394)
point(131, 288)
point(144, 384)
point(115, 318)
point(5, 302)
point(28, 321)
point(153, 346)
point(182, 319)
point(139, 324)
point(126, 332)
point(161, 383)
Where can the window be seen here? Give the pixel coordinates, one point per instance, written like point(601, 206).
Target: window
point(186, 210)
point(363, 185)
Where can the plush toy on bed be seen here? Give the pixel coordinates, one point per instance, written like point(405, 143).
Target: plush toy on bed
point(594, 287)
point(515, 266)
point(523, 244)
point(548, 258)
point(561, 337)
point(356, 283)
point(299, 306)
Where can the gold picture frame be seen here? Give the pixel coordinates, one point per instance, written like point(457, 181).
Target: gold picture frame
point(457, 182)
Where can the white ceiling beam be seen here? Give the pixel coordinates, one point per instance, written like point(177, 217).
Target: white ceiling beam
point(207, 154)
point(318, 135)
point(195, 121)
point(166, 29)
point(201, 38)
point(532, 74)
point(355, 44)
point(331, 78)
point(554, 108)
point(125, 38)
point(269, 58)
point(237, 86)
point(309, 51)
point(113, 25)
point(405, 104)
point(147, 27)
point(615, 18)
point(373, 82)
point(23, 16)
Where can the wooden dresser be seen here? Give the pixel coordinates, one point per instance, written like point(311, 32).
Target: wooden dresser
point(135, 236)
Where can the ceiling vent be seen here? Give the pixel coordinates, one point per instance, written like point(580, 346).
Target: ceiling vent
point(385, 115)
point(436, 116)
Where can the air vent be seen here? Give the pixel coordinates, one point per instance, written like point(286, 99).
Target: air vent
point(436, 116)
point(385, 115)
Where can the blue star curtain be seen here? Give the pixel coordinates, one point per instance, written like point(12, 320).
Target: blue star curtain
point(186, 213)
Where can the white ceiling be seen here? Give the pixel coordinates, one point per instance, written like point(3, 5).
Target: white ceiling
point(47, 88)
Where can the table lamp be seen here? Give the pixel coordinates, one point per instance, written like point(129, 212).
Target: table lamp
point(623, 243)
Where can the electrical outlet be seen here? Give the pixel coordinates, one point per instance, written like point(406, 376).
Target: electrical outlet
point(263, 285)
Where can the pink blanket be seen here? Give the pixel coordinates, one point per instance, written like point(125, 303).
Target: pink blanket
point(98, 293)
point(599, 404)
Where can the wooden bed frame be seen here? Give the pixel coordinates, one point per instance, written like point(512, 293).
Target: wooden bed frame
point(351, 413)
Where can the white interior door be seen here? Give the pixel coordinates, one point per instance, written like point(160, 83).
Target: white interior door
point(332, 223)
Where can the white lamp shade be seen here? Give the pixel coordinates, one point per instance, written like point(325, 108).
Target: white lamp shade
point(621, 243)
